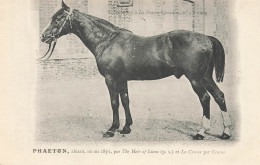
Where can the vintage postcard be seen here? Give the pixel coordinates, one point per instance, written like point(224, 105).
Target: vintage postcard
point(129, 81)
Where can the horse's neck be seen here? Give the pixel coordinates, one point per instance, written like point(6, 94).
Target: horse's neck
point(94, 32)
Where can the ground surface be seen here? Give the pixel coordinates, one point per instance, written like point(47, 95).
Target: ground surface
point(73, 106)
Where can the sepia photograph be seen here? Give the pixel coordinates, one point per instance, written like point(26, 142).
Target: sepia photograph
point(129, 82)
point(161, 70)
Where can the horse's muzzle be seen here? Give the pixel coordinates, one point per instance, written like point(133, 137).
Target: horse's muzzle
point(42, 37)
point(47, 40)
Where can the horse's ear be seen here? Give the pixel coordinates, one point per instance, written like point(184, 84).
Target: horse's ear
point(64, 6)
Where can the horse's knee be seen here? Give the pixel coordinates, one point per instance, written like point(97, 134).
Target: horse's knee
point(115, 104)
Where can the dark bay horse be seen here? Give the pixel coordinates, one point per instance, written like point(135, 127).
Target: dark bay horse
point(122, 56)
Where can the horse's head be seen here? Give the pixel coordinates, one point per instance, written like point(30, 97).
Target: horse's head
point(59, 25)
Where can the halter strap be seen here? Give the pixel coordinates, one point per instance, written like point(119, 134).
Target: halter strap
point(68, 18)
point(55, 36)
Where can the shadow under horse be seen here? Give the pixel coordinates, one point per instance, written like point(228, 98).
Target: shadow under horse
point(122, 56)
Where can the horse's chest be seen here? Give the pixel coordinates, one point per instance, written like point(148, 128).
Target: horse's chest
point(110, 65)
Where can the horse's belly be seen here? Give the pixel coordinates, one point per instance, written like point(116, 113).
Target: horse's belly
point(148, 73)
point(147, 66)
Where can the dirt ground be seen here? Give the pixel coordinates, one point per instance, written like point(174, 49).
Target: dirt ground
point(78, 110)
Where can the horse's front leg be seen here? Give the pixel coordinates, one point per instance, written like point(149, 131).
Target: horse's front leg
point(123, 90)
point(112, 86)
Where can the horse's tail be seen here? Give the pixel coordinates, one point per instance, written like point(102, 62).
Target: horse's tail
point(218, 58)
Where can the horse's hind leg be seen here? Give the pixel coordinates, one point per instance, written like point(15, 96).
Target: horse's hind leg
point(123, 90)
point(198, 87)
point(114, 98)
point(218, 95)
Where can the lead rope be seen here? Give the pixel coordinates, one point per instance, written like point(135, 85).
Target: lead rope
point(54, 44)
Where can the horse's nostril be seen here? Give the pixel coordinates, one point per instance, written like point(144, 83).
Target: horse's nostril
point(42, 36)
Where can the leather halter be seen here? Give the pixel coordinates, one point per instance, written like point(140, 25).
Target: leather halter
point(55, 36)
point(68, 18)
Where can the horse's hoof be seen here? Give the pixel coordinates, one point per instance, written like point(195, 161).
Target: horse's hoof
point(198, 137)
point(126, 130)
point(109, 134)
point(225, 136)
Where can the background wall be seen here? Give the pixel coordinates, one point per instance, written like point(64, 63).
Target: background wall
point(144, 17)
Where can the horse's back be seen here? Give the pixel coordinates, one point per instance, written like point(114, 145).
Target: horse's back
point(187, 52)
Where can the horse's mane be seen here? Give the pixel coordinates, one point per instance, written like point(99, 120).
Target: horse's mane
point(103, 22)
